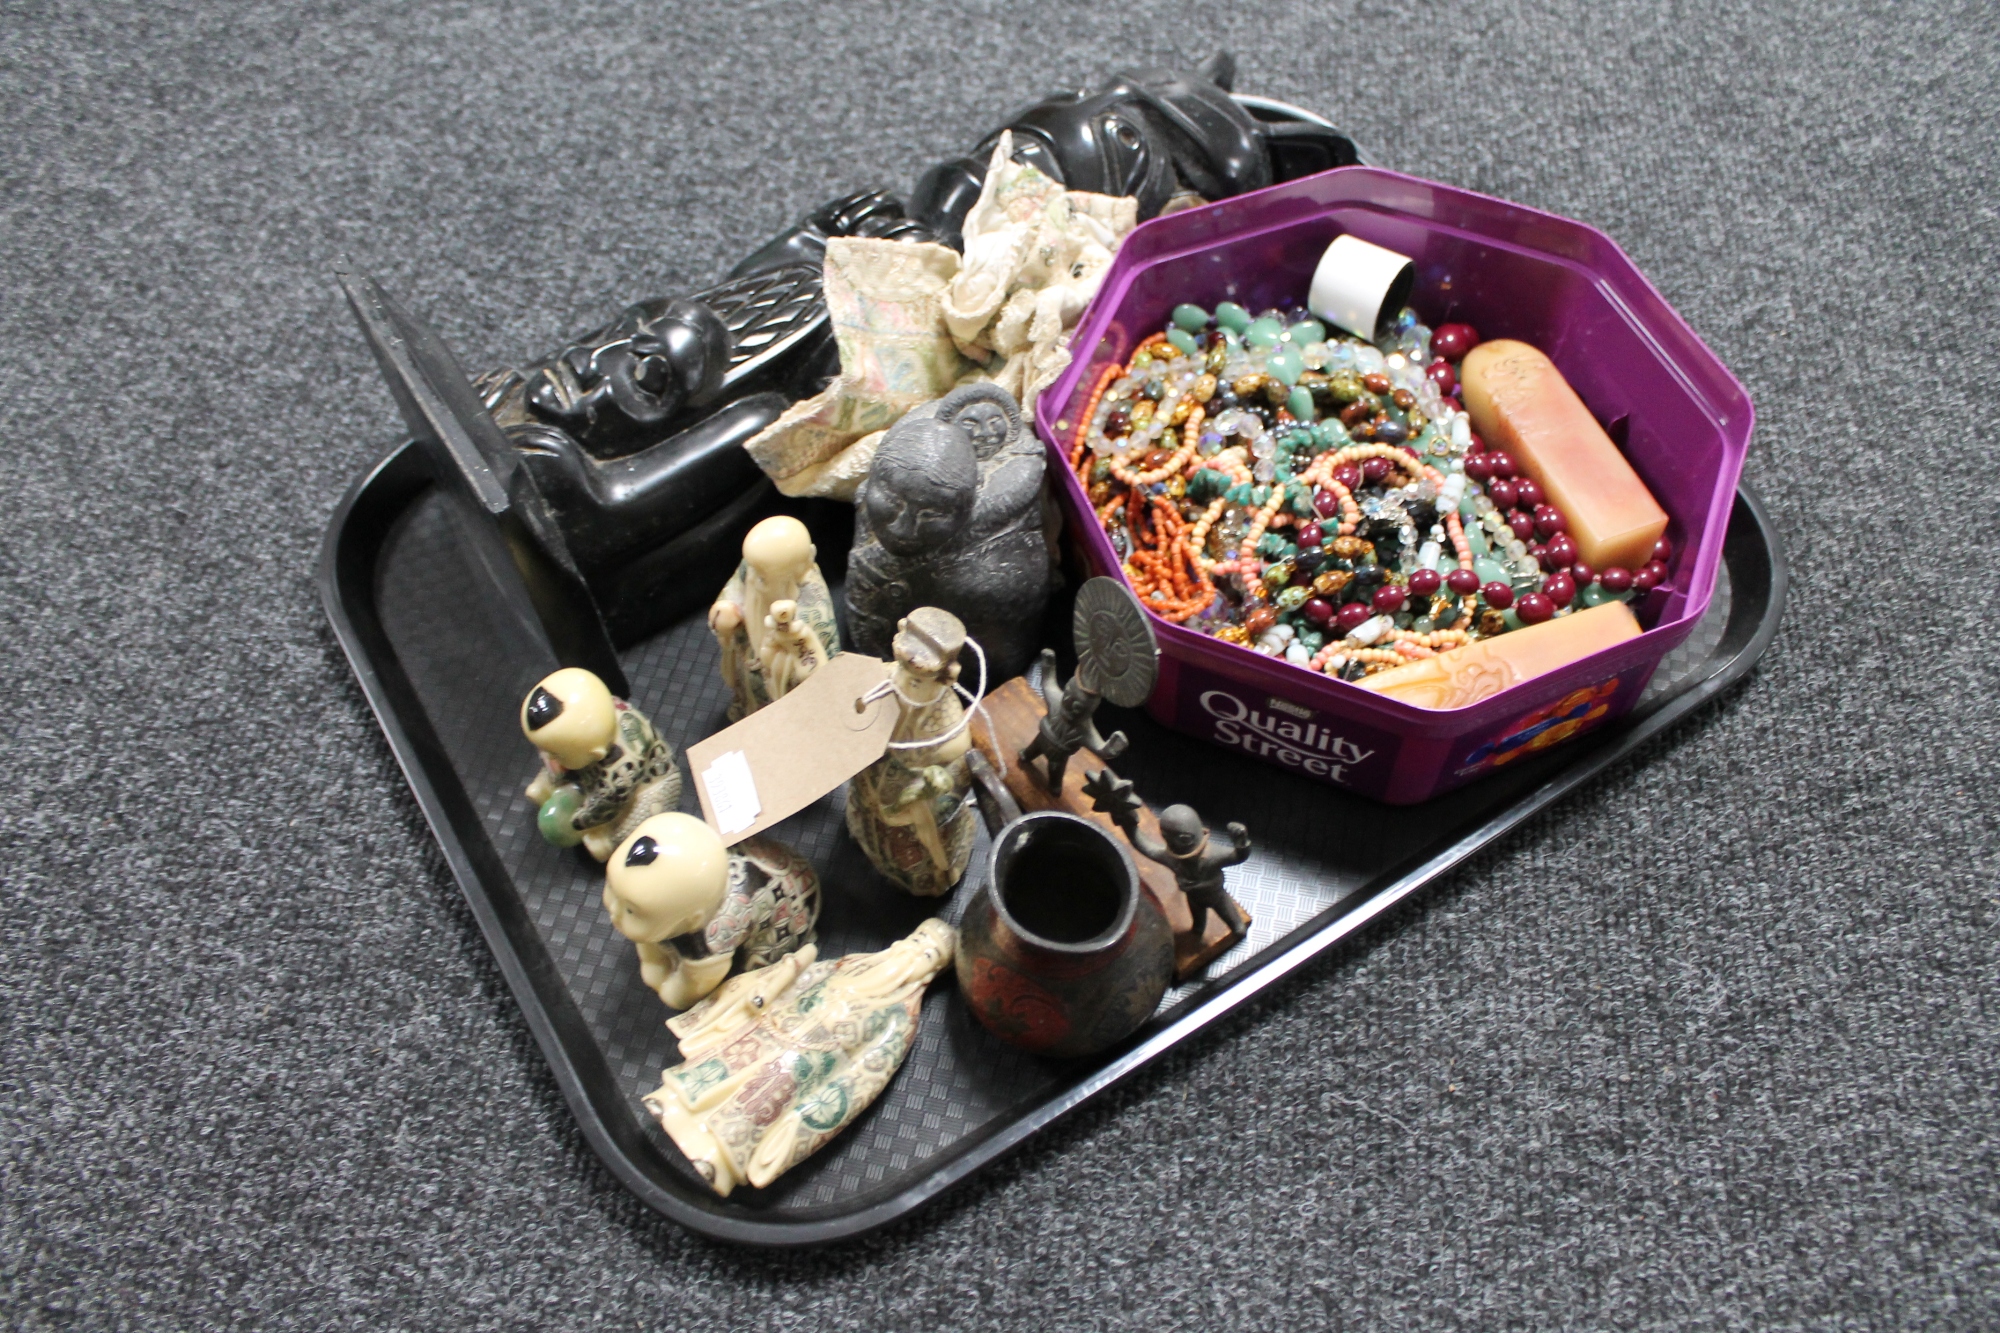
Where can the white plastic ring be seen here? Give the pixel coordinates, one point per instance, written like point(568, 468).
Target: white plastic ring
point(1360, 286)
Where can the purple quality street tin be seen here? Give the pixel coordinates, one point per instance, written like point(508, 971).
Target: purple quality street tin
point(1682, 419)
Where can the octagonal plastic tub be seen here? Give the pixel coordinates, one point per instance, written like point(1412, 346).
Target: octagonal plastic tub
point(1513, 272)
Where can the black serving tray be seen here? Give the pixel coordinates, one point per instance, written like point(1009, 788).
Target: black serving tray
point(445, 672)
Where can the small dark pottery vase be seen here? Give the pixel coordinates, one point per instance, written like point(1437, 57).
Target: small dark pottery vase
point(1061, 951)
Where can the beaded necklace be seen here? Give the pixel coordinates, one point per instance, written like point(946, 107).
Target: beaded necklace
point(1298, 494)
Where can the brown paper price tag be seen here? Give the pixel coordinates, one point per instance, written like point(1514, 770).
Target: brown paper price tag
point(788, 754)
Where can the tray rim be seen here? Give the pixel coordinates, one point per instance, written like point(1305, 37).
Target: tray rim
point(398, 479)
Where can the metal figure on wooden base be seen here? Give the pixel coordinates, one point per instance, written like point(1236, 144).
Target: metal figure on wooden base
point(1117, 658)
point(1070, 725)
point(1184, 847)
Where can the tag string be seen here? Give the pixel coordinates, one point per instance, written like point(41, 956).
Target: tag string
point(888, 687)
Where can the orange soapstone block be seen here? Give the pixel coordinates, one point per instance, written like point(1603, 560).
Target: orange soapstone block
point(1519, 402)
point(1465, 676)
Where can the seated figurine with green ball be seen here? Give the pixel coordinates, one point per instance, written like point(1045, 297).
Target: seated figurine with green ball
point(605, 770)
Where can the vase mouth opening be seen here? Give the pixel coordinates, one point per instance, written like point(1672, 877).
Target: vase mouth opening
point(1063, 884)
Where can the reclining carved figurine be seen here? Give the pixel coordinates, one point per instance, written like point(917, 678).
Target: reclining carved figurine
point(634, 432)
point(1154, 135)
point(613, 468)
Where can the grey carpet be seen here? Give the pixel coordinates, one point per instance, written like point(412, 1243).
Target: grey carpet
point(1712, 1045)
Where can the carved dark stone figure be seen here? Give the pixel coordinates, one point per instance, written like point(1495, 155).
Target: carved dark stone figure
point(606, 485)
point(952, 515)
point(623, 387)
point(617, 386)
point(605, 475)
point(1150, 134)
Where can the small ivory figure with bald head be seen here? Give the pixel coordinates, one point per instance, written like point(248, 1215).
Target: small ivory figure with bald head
point(604, 768)
point(694, 908)
point(773, 621)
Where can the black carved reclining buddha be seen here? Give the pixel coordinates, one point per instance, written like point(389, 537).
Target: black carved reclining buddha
point(1151, 135)
point(621, 454)
point(634, 432)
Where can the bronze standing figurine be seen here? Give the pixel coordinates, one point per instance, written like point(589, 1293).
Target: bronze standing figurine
point(1184, 847)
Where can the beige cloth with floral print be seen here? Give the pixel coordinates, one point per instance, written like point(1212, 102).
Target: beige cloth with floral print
point(914, 321)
